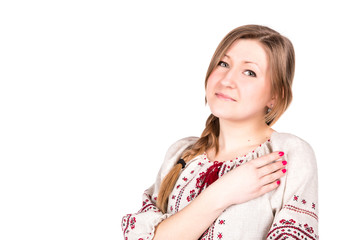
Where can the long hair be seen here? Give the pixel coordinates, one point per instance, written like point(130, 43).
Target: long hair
point(281, 56)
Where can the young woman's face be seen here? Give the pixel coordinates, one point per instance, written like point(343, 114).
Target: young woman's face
point(239, 87)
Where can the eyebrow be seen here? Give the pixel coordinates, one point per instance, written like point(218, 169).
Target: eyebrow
point(247, 62)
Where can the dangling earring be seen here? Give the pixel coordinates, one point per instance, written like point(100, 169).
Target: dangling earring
point(269, 109)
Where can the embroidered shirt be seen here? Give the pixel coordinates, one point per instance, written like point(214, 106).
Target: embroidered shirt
point(288, 212)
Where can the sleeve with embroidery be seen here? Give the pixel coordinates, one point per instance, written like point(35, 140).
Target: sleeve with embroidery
point(298, 217)
point(141, 225)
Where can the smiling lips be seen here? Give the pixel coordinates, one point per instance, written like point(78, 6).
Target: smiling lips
point(224, 97)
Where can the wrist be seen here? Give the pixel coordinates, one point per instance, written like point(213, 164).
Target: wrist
point(214, 195)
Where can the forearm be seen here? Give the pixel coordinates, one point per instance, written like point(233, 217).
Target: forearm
point(194, 219)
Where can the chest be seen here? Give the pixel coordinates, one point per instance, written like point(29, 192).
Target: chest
point(250, 220)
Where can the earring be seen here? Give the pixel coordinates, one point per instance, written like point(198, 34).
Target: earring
point(269, 109)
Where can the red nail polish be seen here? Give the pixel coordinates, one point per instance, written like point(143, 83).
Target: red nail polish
point(281, 153)
point(284, 170)
point(284, 162)
point(278, 182)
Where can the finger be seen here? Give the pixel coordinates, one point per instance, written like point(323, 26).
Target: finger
point(270, 168)
point(266, 159)
point(269, 187)
point(269, 178)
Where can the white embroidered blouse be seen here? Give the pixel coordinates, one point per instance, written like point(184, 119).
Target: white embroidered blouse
point(288, 212)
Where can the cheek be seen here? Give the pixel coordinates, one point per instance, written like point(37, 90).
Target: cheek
point(265, 89)
point(254, 94)
point(262, 96)
point(210, 84)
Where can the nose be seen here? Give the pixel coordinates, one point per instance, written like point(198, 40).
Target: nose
point(229, 78)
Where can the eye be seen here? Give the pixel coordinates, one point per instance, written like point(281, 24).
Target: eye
point(223, 64)
point(250, 73)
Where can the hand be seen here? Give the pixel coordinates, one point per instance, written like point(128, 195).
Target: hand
point(251, 180)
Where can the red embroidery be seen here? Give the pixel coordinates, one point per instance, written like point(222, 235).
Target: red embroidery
point(209, 233)
point(211, 175)
point(145, 202)
point(287, 222)
point(223, 169)
point(296, 197)
point(221, 222)
point(178, 199)
point(220, 236)
point(191, 196)
point(300, 210)
point(125, 224)
point(288, 228)
point(309, 229)
point(149, 207)
point(132, 222)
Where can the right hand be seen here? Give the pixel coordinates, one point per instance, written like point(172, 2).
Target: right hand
point(251, 180)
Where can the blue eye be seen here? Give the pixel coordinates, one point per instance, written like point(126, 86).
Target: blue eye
point(223, 64)
point(250, 73)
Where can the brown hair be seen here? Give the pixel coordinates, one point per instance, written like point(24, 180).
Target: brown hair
point(281, 56)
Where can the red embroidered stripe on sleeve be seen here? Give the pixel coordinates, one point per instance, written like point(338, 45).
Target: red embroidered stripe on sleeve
point(300, 210)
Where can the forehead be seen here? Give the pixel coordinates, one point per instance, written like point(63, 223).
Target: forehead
point(248, 50)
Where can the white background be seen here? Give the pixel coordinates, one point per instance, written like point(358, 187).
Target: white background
point(94, 92)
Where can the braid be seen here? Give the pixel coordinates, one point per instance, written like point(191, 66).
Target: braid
point(207, 140)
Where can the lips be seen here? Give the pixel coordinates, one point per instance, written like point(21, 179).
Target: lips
point(225, 97)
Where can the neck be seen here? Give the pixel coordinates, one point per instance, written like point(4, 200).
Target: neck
point(242, 134)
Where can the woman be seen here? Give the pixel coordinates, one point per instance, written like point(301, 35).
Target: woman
point(241, 179)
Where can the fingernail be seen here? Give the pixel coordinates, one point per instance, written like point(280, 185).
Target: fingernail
point(281, 153)
point(284, 162)
point(278, 182)
point(284, 170)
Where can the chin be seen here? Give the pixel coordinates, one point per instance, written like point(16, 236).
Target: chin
point(233, 115)
point(226, 115)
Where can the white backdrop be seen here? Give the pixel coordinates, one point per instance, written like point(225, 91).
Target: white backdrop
point(94, 92)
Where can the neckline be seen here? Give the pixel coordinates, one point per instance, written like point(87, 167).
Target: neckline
point(204, 155)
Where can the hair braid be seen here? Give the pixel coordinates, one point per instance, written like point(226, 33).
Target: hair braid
point(208, 139)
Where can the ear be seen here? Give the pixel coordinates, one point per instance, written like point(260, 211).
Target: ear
point(272, 102)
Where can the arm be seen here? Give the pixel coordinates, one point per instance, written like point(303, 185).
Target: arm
point(141, 225)
point(194, 219)
point(298, 217)
point(242, 184)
